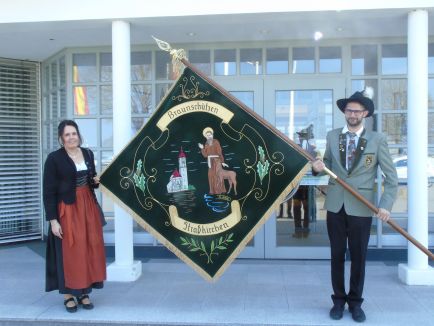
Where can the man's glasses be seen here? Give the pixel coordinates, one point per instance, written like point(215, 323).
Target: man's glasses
point(355, 112)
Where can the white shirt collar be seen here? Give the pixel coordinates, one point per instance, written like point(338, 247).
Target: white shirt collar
point(358, 132)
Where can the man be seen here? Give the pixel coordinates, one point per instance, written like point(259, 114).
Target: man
point(353, 154)
point(212, 151)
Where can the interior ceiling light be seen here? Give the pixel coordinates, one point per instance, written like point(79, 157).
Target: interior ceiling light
point(191, 34)
point(317, 36)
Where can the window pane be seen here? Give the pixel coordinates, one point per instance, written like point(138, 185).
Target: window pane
point(163, 66)
point(141, 65)
point(245, 97)
point(84, 100)
point(106, 66)
point(225, 62)
point(431, 58)
point(160, 92)
point(394, 94)
point(84, 68)
point(395, 127)
point(251, 61)
point(277, 61)
point(330, 59)
point(394, 59)
point(201, 60)
point(88, 130)
point(141, 99)
point(364, 59)
point(107, 202)
point(431, 93)
point(303, 60)
point(107, 132)
point(431, 128)
point(431, 186)
point(62, 102)
point(106, 99)
point(137, 124)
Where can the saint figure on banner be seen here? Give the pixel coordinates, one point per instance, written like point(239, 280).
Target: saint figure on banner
point(212, 151)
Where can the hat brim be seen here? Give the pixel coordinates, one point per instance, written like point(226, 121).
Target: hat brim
point(366, 103)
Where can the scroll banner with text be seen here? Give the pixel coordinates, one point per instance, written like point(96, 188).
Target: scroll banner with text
point(203, 174)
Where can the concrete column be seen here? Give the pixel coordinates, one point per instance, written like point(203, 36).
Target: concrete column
point(124, 268)
point(417, 271)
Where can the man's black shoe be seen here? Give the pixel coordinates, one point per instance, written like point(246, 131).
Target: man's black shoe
point(358, 314)
point(337, 312)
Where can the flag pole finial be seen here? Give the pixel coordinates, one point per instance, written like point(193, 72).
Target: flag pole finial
point(177, 55)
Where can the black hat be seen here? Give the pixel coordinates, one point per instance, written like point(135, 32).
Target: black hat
point(364, 98)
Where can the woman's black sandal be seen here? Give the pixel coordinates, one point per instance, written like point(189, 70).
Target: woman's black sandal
point(87, 306)
point(70, 309)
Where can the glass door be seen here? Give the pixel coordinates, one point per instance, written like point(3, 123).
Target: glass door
point(250, 93)
point(304, 111)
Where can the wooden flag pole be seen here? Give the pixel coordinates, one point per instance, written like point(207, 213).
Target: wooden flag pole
point(179, 55)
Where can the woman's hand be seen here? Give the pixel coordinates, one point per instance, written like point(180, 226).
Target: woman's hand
point(56, 228)
point(96, 180)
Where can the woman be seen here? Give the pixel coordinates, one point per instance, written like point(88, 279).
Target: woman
point(75, 260)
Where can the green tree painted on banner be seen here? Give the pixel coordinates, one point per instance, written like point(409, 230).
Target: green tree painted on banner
point(263, 164)
point(139, 178)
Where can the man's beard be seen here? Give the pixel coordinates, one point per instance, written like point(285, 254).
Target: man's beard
point(354, 122)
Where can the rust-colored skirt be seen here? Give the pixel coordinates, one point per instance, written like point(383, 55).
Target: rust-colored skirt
point(83, 243)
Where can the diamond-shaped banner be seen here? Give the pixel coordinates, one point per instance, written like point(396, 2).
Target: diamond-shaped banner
point(203, 174)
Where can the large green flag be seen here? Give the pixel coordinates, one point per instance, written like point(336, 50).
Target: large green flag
point(203, 174)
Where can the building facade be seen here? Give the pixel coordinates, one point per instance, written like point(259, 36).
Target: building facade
point(289, 64)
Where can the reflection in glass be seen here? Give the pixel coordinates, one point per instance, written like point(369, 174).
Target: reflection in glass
point(106, 99)
point(106, 66)
point(251, 61)
point(88, 130)
point(395, 127)
point(225, 62)
point(106, 132)
point(137, 124)
point(84, 67)
point(84, 100)
point(160, 92)
point(296, 110)
point(141, 65)
point(303, 60)
point(163, 66)
point(277, 61)
point(141, 98)
point(394, 94)
point(330, 59)
point(394, 59)
point(245, 97)
point(201, 59)
point(364, 59)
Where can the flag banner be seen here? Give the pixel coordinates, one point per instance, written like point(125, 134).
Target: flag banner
point(203, 174)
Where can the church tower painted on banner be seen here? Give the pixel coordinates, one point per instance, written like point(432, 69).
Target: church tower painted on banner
point(179, 178)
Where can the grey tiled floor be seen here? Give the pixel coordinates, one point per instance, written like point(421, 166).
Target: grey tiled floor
point(250, 292)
